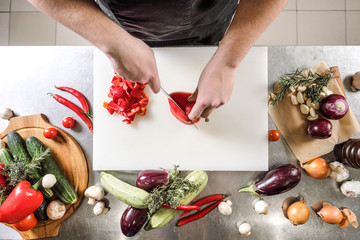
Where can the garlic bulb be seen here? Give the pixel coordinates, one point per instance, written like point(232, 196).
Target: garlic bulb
point(6, 113)
point(338, 171)
point(350, 188)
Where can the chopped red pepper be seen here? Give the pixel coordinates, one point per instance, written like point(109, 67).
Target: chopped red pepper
point(128, 98)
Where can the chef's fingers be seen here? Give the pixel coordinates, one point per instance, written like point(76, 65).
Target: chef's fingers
point(154, 83)
point(193, 97)
point(197, 110)
point(206, 113)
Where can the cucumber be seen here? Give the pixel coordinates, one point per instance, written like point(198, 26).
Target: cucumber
point(5, 156)
point(17, 146)
point(18, 149)
point(63, 188)
point(130, 195)
point(164, 215)
point(40, 213)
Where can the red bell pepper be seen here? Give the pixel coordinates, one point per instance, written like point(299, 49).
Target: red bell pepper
point(22, 201)
point(181, 99)
point(3, 182)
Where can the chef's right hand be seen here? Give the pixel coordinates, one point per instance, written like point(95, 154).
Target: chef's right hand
point(133, 60)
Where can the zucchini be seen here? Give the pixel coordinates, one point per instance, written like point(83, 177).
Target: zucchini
point(130, 195)
point(40, 213)
point(18, 149)
point(5, 156)
point(63, 188)
point(164, 215)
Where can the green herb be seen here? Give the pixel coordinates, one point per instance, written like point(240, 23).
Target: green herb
point(3, 193)
point(170, 194)
point(298, 78)
point(19, 170)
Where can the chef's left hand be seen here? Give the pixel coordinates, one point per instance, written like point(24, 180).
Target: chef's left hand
point(214, 87)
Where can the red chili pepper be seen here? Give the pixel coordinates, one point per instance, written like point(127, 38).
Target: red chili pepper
point(207, 200)
point(22, 201)
point(198, 215)
point(75, 108)
point(3, 182)
point(79, 96)
point(182, 207)
point(181, 99)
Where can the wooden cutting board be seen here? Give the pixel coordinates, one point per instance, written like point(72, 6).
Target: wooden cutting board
point(69, 157)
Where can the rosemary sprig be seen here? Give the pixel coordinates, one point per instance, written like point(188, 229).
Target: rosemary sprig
point(298, 78)
point(19, 170)
point(170, 194)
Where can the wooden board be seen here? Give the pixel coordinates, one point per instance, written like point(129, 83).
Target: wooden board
point(69, 157)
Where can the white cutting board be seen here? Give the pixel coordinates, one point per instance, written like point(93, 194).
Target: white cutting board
point(235, 139)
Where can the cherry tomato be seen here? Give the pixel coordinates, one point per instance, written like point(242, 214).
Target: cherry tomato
point(50, 132)
point(27, 223)
point(274, 135)
point(68, 122)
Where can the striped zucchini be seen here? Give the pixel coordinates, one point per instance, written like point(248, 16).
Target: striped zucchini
point(63, 188)
point(163, 215)
point(130, 195)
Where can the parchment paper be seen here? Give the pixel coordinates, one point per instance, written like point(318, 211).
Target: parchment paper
point(293, 125)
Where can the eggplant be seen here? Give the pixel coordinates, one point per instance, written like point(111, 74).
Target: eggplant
point(278, 180)
point(132, 220)
point(150, 179)
point(348, 153)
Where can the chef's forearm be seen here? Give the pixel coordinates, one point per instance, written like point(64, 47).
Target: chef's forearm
point(251, 19)
point(85, 18)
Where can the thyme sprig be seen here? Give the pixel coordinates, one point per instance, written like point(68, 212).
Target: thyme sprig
point(170, 194)
point(298, 78)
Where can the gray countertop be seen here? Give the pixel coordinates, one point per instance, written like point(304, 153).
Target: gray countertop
point(27, 78)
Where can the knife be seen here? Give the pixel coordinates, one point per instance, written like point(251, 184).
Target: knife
point(165, 92)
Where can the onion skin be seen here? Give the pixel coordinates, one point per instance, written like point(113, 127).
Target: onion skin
point(330, 109)
point(317, 168)
point(320, 128)
point(331, 214)
point(298, 213)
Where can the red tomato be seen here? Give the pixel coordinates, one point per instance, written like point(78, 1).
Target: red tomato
point(27, 223)
point(68, 122)
point(50, 132)
point(274, 135)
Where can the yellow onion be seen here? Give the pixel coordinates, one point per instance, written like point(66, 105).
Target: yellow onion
point(331, 214)
point(318, 168)
point(298, 213)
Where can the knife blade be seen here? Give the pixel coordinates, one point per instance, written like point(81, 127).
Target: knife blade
point(168, 96)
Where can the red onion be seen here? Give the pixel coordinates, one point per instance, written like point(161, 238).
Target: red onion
point(334, 106)
point(320, 128)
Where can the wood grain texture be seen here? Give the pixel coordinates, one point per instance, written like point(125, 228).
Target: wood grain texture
point(70, 158)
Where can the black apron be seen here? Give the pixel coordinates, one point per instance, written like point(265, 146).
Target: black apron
point(172, 22)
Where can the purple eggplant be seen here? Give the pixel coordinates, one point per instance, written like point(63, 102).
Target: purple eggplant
point(150, 179)
point(278, 180)
point(132, 220)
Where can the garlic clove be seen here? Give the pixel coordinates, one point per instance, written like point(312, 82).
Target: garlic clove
point(300, 98)
point(301, 89)
point(293, 100)
point(304, 109)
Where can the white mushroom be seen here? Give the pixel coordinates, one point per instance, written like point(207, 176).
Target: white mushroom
point(55, 210)
point(350, 188)
point(6, 113)
point(225, 208)
point(260, 206)
point(338, 171)
point(244, 228)
point(100, 208)
point(48, 181)
point(94, 193)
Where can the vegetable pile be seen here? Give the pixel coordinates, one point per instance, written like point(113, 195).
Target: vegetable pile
point(26, 167)
point(158, 197)
point(128, 99)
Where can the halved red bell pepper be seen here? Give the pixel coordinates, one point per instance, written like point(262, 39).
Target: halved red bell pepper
point(22, 201)
point(181, 99)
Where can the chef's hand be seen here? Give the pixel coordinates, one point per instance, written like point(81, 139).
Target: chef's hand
point(135, 61)
point(214, 88)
